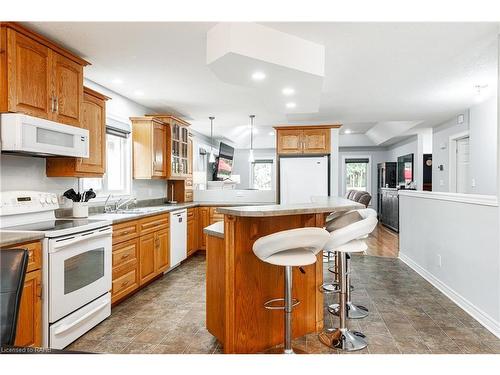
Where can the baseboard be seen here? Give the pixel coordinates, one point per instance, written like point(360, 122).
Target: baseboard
point(483, 318)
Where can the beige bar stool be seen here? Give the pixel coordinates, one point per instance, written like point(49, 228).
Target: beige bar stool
point(290, 248)
point(343, 241)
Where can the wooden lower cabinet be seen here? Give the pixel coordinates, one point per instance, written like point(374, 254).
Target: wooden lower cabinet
point(162, 254)
point(125, 269)
point(192, 231)
point(204, 221)
point(147, 249)
point(29, 324)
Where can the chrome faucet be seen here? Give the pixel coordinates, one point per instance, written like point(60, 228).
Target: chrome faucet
point(119, 204)
point(106, 207)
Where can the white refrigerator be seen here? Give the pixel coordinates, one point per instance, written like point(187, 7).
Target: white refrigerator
point(303, 177)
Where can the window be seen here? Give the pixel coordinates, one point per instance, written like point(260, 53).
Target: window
point(357, 174)
point(262, 174)
point(116, 180)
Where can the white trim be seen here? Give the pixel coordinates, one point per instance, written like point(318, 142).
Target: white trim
point(483, 200)
point(485, 319)
point(452, 158)
point(368, 172)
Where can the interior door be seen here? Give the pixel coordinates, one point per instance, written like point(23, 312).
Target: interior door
point(68, 89)
point(28, 69)
point(463, 165)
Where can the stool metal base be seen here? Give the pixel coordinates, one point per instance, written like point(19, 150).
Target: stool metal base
point(343, 339)
point(353, 311)
point(281, 350)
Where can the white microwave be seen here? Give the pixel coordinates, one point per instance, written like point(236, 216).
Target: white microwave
point(32, 135)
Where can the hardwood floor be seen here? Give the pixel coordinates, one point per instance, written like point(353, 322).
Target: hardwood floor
point(383, 242)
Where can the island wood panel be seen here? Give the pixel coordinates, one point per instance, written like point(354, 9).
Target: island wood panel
point(215, 286)
point(249, 282)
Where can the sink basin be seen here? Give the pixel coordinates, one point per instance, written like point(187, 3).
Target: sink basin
point(139, 210)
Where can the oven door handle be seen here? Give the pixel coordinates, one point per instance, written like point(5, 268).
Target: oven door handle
point(60, 245)
point(67, 327)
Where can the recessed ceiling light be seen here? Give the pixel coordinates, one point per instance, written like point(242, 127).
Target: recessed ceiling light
point(291, 105)
point(118, 81)
point(138, 93)
point(347, 131)
point(258, 76)
point(288, 91)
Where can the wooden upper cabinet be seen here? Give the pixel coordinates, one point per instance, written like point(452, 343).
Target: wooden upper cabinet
point(38, 77)
point(289, 141)
point(149, 137)
point(316, 141)
point(68, 90)
point(159, 150)
point(94, 120)
point(28, 76)
point(295, 140)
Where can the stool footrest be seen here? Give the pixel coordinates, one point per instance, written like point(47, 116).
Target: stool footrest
point(270, 305)
point(329, 288)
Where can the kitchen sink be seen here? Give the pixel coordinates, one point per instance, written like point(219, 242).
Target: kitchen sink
point(138, 210)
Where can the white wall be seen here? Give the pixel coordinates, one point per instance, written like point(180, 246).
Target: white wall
point(464, 235)
point(440, 150)
point(483, 147)
point(28, 173)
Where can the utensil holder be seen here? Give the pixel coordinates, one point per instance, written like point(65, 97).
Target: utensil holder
point(80, 209)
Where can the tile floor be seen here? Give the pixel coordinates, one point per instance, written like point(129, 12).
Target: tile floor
point(407, 315)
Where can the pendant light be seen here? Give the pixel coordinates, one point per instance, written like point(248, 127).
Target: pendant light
point(211, 158)
point(251, 158)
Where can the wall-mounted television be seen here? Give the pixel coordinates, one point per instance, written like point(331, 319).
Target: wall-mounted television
point(224, 163)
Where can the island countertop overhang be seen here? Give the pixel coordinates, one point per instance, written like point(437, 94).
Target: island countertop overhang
point(323, 205)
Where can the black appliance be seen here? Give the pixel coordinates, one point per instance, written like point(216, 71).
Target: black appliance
point(386, 177)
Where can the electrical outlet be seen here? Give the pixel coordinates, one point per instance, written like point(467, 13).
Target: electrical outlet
point(439, 260)
point(441, 183)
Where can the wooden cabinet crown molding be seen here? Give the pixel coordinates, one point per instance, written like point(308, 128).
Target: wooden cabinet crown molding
point(168, 118)
point(45, 41)
point(302, 127)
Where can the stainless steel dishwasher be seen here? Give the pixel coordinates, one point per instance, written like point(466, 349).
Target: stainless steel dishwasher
point(178, 237)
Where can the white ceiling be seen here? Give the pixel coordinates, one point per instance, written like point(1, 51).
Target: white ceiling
point(374, 72)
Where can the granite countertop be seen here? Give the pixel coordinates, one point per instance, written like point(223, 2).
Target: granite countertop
point(216, 229)
point(324, 205)
point(116, 218)
point(8, 238)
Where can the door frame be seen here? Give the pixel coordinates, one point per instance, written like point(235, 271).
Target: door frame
point(452, 158)
point(368, 174)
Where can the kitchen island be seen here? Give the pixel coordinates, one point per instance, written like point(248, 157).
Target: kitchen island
point(238, 283)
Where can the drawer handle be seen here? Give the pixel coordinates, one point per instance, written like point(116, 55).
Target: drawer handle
point(125, 256)
point(125, 283)
point(125, 233)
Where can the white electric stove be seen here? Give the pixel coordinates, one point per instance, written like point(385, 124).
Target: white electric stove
point(76, 264)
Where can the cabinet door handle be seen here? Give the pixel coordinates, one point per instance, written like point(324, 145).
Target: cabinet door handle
point(52, 103)
point(57, 104)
